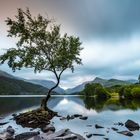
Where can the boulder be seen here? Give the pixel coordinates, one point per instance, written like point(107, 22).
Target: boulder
point(131, 125)
point(64, 134)
point(26, 135)
point(47, 128)
point(7, 134)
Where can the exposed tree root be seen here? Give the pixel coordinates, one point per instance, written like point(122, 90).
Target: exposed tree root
point(36, 118)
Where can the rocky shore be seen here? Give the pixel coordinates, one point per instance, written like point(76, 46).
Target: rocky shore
point(48, 131)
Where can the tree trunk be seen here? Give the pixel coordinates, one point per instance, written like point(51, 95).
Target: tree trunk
point(45, 100)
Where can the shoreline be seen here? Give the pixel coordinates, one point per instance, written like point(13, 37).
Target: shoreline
point(1, 96)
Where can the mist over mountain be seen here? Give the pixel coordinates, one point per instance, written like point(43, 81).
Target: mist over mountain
point(48, 84)
point(10, 84)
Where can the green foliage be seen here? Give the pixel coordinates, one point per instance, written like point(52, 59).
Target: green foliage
point(40, 45)
point(95, 89)
point(130, 91)
point(123, 91)
point(135, 92)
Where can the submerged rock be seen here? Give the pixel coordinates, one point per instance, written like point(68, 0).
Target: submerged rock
point(119, 124)
point(14, 114)
point(89, 135)
point(106, 138)
point(83, 118)
point(98, 126)
point(89, 125)
point(98, 134)
point(63, 118)
point(126, 133)
point(3, 123)
point(114, 129)
point(131, 125)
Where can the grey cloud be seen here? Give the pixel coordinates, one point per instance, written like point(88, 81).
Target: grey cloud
point(95, 18)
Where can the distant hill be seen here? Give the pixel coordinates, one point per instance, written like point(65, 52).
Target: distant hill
point(5, 74)
point(48, 84)
point(15, 85)
point(9, 85)
point(104, 82)
point(110, 82)
point(76, 89)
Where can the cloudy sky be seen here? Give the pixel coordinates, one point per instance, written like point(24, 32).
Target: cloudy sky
point(109, 30)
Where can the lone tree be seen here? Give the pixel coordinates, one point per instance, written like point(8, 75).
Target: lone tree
point(40, 46)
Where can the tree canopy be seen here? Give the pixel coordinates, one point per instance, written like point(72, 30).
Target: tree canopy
point(40, 44)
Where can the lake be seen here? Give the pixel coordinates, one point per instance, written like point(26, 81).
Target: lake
point(104, 113)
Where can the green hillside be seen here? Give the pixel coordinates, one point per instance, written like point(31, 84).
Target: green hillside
point(11, 86)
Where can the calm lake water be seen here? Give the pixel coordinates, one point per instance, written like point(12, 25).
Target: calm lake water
point(104, 113)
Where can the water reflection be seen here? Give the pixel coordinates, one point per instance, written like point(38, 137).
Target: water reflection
point(102, 112)
point(12, 104)
point(111, 104)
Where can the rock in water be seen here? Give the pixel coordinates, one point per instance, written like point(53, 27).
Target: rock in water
point(83, 118)
point(77, 115)
point(64, 134)
point(26, 135)
point(126, 133)
point(89, 135)
point(48, 128)
point(98, 126)
point(3, 123)
point(114, 129)
point(7, 134)
point(131, 125)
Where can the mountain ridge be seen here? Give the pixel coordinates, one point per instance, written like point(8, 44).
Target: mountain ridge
point(103, 82)
point(47, 84)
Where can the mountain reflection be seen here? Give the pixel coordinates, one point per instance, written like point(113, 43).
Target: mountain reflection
point(14, 104)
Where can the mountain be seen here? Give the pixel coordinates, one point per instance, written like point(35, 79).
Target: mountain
point(9, 85)
point(76, 89)
point(110, 82)
point(99, 80)
point(103, 82)
point(5, 74)
point(48, 84)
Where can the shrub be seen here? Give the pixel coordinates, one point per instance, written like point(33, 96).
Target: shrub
point(136, 92)
point(127, 92)
point(100, 92)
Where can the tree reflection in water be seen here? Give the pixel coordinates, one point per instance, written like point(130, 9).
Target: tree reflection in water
point(110, 104)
